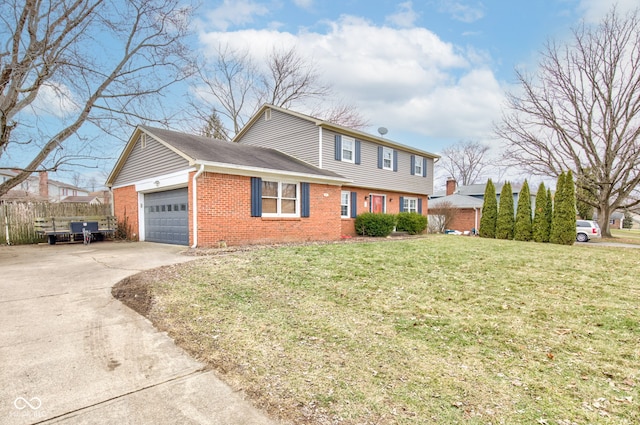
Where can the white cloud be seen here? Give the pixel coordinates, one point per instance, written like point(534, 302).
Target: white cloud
point(461, 11)
point(303, 4)
point(56, 100)
point(405, 17)
point(234, 13)
point(407, 79)
point(594, 10)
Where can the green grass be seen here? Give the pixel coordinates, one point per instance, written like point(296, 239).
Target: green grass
point(431, 330)
point(631, 236)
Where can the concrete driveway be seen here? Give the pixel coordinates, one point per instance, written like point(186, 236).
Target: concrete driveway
point(70, 353)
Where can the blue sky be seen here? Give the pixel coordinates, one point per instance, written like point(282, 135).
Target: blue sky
point(432, 72)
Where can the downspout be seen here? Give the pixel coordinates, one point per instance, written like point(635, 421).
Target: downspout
point(194, 203)
point(475, 210)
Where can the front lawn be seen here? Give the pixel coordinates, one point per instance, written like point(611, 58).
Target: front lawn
point(434, 330)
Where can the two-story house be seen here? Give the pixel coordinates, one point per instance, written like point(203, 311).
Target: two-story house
point(384, 176)
point(286, 177)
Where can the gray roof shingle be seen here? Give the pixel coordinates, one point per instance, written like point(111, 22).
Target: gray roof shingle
point(200, 148)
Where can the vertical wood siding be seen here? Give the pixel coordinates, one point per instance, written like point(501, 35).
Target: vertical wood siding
point(153, 160)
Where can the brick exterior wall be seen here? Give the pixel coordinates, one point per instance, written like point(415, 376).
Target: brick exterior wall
point(224, 214)
point(125, 207)
point(393, 205)
point(465, 219)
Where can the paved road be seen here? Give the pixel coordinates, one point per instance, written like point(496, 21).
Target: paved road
point(70, 353)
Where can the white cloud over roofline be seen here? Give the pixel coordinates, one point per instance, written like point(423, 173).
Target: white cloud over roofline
point(405, 78)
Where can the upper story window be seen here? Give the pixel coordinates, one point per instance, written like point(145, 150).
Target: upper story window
point(347, 149)
point(279, 199)
point(348, 153)
point(387, 158)
point(417, 165)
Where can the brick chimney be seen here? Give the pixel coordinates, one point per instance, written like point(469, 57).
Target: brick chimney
point(44, 185)
point(451, 186)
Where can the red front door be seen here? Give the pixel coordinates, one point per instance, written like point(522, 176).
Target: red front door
point(377, 204)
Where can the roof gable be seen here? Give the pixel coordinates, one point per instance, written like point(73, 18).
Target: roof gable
point(360, 135)
point(208, 151)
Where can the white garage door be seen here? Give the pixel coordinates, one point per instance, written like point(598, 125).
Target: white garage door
point(166, 217)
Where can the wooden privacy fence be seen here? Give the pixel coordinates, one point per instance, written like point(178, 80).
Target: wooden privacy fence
point(17, 218)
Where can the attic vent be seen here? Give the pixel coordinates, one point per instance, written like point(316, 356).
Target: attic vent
point(267, 114)
point(143, 140)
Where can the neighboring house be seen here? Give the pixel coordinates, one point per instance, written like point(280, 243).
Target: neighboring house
point(38, 187)
point(468, 209)
point(59, 191)
point(103, 196)
point(34, 188)
point(84, 199)
point(178, 188)
point(469, 200)
point(617, 218)
point(477, 191)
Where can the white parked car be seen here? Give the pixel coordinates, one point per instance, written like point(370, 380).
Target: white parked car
point(587, 230)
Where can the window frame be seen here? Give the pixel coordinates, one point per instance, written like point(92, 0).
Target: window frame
point(406, 204)
point(351, 141)
point(386, 150)
point(279, 198)
point(417, 166)
point(347, 205)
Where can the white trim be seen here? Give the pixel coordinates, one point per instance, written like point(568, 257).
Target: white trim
point(353, 149)
point(348, 193)
point(194, 205)
point(141, 228)
point(243, 170)
point(409, 198)
point(279, 199)
point(164, 182)
point(384, 202)
point(418, 161)
point(387, 149)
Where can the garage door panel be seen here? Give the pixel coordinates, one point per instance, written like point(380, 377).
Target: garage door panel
point(167, 217)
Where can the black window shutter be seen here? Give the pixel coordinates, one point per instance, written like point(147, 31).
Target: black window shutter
point(256, 197)
point(402, 204)
point(354, 204)
point(420, 205)
point(305, 194)
point(395, 160)
point(379, 156)
point(338, 147)
point(424, 167)
point(357, 161)
point(413, 165)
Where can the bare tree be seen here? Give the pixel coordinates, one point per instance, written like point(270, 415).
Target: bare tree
point(465, 161)
point(581, 112)
point(229, 87)
point(236, 88)
point(66, 63)
point(290, 78)
point(441, 216)
point(340, 113)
